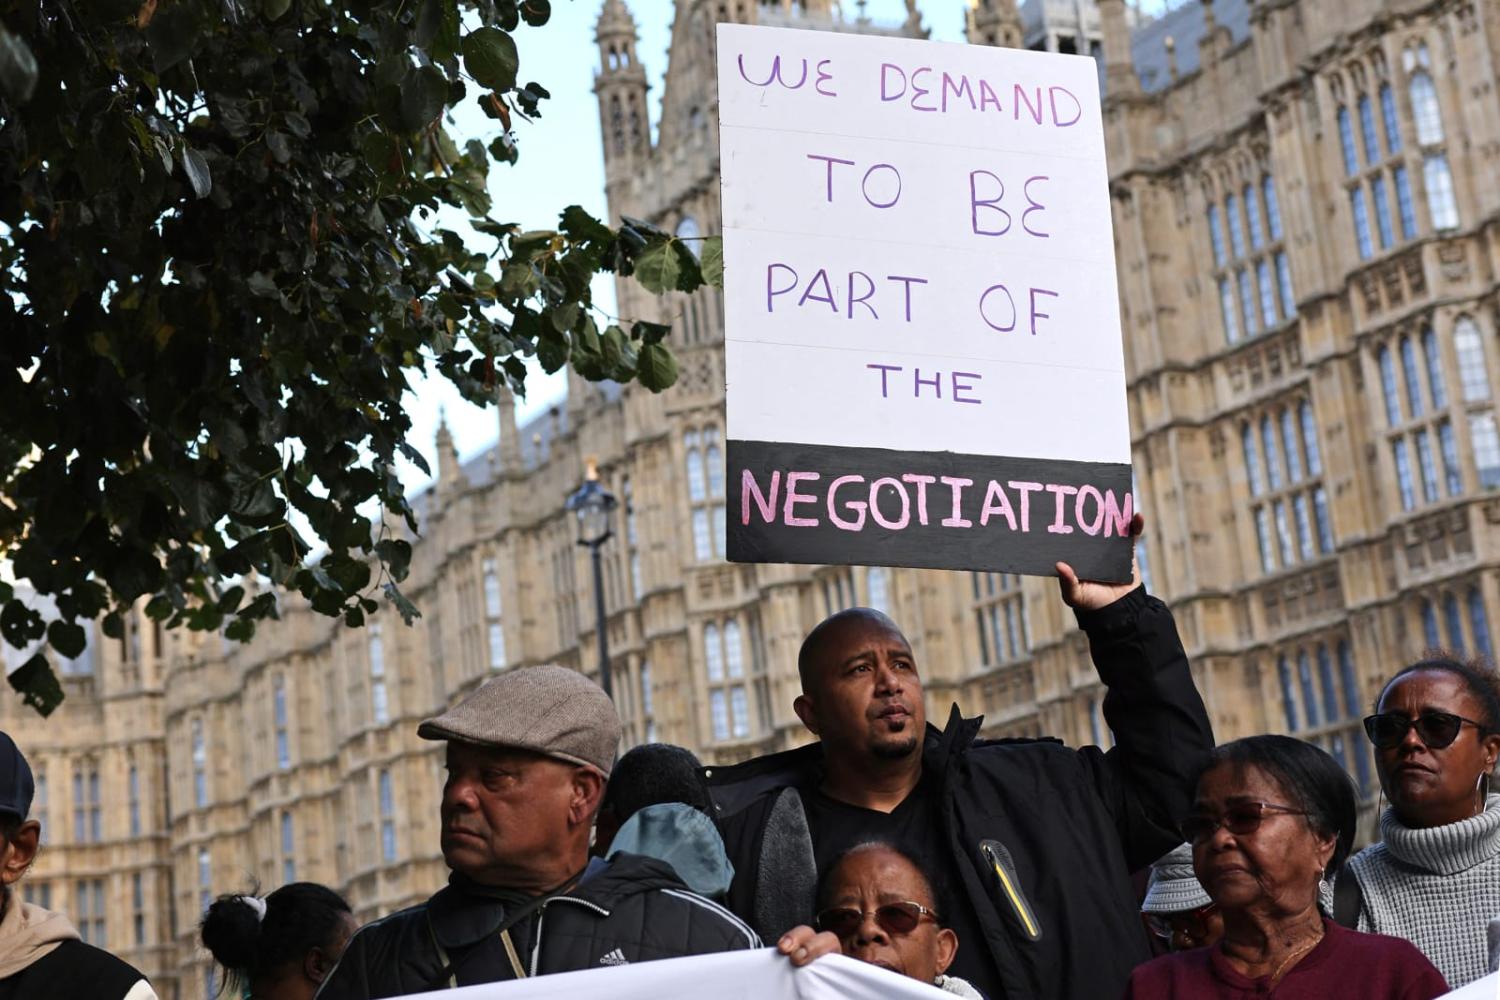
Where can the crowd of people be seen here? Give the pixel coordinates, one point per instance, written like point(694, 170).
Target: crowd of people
point(1000, 869)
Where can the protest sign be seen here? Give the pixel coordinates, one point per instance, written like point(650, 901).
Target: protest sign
point(922, 343)
point(732, 975)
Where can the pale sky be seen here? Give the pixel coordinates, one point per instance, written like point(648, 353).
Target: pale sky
point(562, 163)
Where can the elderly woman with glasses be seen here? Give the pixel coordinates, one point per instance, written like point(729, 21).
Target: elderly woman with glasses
point(879, 904)
point(1271, 817)
point(1435, 877)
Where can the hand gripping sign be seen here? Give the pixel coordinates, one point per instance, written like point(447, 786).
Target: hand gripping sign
point(922, 340)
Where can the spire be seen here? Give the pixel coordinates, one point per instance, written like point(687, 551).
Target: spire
point(447, 455)
point(510, 444)
point(1208, 44)
point(1119, 69)
point(1171, 46)
point(620, 84)
point(993, 22)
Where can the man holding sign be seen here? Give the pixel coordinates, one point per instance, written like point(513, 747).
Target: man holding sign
point(919, 279)
point(1035, 842)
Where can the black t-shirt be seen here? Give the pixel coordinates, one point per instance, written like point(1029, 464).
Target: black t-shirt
point(837, 826)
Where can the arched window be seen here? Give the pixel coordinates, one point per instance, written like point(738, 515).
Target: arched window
point(1424, 108)
point(1433, 354)
point(1226, 309)
point(1289, 445)
point(1367, 129)
point(1216, 234)
point(1236, 229)
point(1430, 635)
point(1327, 684)
point(1309, 697)
point(387, 817)
point(1252, 461)
point(1411, 376)
point(697, 487)
point(1310, 439)
point(1252, 215)
point(1454, 623)
point(714, 460)
point(713, 653)
point(1388, 387)
point(1361, 215)
point(1442, 203)
point(1273, 454)
point(877, 585)
point(1273, 209)
point(1479, 622)
point(734, 653)
point(1347, 674)
point(1288, 694)
point(1392, 123)
point(1346, 141)
point(1473, 373)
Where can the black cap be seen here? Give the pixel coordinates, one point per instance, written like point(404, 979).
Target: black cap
point(16, 783)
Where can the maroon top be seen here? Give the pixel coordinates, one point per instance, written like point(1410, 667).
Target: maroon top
point(1344, 964)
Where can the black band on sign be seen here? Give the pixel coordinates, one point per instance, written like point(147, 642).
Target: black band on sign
point(809, 503)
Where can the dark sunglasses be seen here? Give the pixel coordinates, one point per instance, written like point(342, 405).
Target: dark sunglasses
point(1242, 818)
point(1163, 925)
point(893, 918)
point(1436, 730)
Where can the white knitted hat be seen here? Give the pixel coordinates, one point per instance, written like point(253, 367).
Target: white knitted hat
point(1173, 887)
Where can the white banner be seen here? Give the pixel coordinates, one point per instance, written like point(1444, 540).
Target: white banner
point(730, 975)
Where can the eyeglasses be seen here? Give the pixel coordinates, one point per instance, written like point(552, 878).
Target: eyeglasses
point(1436, 730)
point(1240, 818)
point(893, 918)
point(1164, 925)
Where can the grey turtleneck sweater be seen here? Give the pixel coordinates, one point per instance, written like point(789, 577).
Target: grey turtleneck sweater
point(1437, 887)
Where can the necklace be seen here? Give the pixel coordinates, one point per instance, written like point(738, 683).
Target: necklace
point(1276, 976)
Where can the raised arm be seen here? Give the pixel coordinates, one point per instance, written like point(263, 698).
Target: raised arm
point(1161, 729)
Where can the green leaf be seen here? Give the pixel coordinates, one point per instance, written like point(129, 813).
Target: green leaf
point(240, 630)
point(352, 575)
point(649, 333)
point(578, 224)
point(656, 369)
point(535, 12)
point(396, 554)
point(407, 610)
point(230, 602)
point(273, 9)
point(37, 684)
point(712, 261)
point(68, 638)
point(656, 268)
point(491, 59)
point(196, 168)
point(552, 351)
point(424, 93)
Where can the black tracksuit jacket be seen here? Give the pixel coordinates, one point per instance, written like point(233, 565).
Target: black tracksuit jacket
point(629, 909)
point(1066, 826)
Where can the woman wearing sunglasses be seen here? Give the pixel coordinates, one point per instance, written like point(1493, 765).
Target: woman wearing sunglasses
point(1271, 817)
point(879, 904)
point(1435, 877)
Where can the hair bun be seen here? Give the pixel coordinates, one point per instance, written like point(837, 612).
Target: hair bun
point(231, 930)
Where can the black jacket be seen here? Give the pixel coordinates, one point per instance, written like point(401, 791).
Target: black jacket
point(72, 971)
point(1066, 826)
point(629, 909)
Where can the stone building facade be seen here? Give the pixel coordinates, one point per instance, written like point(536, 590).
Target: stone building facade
point(1307, 226)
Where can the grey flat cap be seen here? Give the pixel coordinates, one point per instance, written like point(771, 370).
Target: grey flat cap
point(1173, 887)
point(550, 710)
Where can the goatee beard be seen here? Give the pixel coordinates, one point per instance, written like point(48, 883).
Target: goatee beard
point(894, 751)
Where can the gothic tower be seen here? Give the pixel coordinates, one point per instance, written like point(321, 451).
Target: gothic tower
point(993, 22)
point(621, 88)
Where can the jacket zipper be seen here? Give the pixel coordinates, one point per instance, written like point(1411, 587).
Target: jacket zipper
point(1011, 886)
point(541, 919)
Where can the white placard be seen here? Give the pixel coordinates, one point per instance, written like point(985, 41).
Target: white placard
point(930, 209)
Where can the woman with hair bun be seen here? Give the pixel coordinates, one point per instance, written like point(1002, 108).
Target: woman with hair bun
point(281, 947)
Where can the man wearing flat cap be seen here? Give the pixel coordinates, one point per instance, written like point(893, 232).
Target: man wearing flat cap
point(41, 955)
point(528, 756)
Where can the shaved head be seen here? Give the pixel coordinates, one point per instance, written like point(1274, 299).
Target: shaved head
point(814, 651)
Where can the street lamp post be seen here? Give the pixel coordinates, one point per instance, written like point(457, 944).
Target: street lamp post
point(592, 504)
